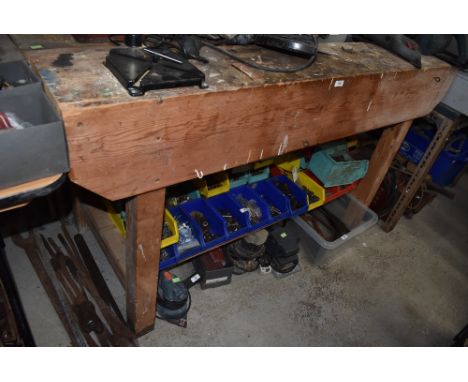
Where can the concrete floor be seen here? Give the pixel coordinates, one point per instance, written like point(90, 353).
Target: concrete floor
point(405, 288)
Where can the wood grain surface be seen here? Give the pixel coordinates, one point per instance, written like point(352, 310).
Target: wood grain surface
point(122, 146)
point(387, 147)
point(144, 226)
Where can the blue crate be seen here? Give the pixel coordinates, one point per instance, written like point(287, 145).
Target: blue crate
point(181, 218)
point(450, 161)
point(297, 191)
point(226, 202)
point(247, 193)
point(172, 258)
point(237, 180)
point(273, 197)
point(216, 222)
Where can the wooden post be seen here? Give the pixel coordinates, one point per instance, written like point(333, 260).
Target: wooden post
point(387, 147)
point(145, 215)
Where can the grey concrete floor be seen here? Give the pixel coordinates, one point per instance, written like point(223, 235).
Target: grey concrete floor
point(405, 288)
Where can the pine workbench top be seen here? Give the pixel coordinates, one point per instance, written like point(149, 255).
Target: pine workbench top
point(122, 146)
point(77, 77)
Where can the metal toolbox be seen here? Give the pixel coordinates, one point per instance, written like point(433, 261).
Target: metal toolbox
point(34, 152)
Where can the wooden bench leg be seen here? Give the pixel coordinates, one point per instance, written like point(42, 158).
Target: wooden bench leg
point(145, 215)
point(387, 147)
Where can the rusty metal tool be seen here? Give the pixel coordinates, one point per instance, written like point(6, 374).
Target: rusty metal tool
point(83, 308)
point(121, 334)
point(96, 275)
point(51, 285)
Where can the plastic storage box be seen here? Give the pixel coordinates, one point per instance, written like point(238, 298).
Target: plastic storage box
point(216, 224)
point(259, 174)
point(450, 161)
point(333, 165)
point(36, 151)
point(238, 179)
point(181, 250)
point(310, 184)
point(277, 202)
point(244, 195)
point(224, 204)
point(289, 162)
point(356, 216)
point(169, 257)
point(214, 184)
point(18, 74)
point(172, 224)
point(282, 182)
point(263, 163)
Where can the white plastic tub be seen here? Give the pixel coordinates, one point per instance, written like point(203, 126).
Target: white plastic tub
point(357, 217)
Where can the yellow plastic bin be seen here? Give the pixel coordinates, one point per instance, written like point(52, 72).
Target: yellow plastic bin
point(289, 162)
point(262, 163)
point(172, 224)
point(308, 184)
point(116, 218)
point(214, 184)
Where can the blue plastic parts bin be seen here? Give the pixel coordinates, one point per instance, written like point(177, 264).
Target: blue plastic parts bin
point(174, 255)
point(170, 259)
point(225, 202)
point(272, 196)
point(297, 191)
point(215, 221)
point(248, 194)
point(265, 193)
point(450, 161)
point(332, 172)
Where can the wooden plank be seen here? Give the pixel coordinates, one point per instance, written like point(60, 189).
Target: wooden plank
point(86, 82)
point(109, 239)
point(46, 41)
point(29, 186)
point(144, 226)
point(148, 145)
point(171, 136)
point(382, 157)
point(444, 130)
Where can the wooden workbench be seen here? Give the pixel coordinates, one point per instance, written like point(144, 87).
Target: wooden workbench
point(124, 147)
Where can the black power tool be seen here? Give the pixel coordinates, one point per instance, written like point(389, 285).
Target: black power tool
point(141, 68)
point(174, 299)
